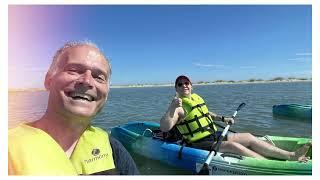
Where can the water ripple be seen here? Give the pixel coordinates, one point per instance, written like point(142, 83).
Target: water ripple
point(149, 104)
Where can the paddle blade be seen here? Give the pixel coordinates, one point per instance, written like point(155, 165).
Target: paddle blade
point(241, 106)
point(204, 170)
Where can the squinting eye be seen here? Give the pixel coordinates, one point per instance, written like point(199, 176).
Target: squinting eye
point(101, 78)
point(72, 71)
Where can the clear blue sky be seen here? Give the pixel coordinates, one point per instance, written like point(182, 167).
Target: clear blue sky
point(155, 44)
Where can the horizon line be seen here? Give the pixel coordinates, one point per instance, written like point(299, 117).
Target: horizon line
point(217, 82)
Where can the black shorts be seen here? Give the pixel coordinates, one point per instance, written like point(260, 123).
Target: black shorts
point(207, 142)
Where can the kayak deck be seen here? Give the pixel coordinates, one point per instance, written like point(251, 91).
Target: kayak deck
point(137, 138)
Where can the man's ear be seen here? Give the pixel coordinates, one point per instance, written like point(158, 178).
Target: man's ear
point(47, 81)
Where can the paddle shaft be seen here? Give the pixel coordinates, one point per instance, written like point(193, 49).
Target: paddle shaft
point(217, 146)
point(216, 149)
point(205, 167)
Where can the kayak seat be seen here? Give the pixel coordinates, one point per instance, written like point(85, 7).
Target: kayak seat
point(172, 136)
point(147, 132)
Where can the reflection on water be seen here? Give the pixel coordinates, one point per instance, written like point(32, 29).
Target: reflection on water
point(149, 104)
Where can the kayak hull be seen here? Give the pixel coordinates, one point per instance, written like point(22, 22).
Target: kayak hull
point(293, 111)
point(136, 137)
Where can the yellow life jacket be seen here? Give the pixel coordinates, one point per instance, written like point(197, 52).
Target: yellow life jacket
point(34, 152)
point(198, 123)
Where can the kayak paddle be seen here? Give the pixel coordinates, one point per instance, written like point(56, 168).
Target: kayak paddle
point(205, 168)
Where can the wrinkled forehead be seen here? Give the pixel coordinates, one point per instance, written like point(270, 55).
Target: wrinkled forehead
point(86, 55)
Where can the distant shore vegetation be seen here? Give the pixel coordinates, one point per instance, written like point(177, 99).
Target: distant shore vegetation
point(219, 81)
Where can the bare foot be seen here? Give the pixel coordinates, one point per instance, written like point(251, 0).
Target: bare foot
point(300, 154)
point(304, 159)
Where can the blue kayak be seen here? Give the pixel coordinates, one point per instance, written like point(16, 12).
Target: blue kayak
point(293, 111)
point(138, 138)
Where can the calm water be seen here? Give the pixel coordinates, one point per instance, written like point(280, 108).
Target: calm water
point(149, 104)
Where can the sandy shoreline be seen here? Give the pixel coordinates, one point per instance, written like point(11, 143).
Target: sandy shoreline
point(210, 83)
point(167, 85)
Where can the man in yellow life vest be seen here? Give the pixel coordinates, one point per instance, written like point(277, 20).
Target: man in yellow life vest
point(62, 141)
point(191, 117)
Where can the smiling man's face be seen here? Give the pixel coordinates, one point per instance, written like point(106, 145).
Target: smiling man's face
point(80, 85)
point(184, 87)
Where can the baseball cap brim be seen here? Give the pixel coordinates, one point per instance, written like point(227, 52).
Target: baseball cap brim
point(181, 77)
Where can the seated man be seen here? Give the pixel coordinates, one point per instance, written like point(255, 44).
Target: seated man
point(189, 113)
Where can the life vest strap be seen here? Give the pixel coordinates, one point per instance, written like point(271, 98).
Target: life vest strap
point(208, 128)
point(199, 124)
point(183, 144)
point(200, 127)
point(189, 129)
point(198, 106)
point(194, 119)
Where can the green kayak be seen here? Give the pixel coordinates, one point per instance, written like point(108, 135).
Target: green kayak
point(293, 111)
point(137, 138)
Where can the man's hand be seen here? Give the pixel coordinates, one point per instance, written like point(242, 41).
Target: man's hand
point(176, 102)
point(228, 120)
point(174, 113)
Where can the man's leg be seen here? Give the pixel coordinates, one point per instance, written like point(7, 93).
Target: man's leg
point(266, 149)
point(237, 148)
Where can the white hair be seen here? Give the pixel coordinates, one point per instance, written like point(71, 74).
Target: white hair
point(55, 61)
